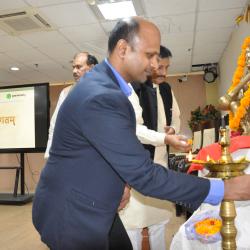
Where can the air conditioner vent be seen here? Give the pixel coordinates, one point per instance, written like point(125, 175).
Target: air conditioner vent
point(42, 20)
point(13, 14)
point(23, 21)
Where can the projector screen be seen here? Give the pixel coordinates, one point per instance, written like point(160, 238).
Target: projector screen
point(24, 118)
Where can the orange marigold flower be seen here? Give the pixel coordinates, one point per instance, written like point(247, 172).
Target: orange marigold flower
point(241, 63)
point(208, 226)
point(246, 42)
point(242, 57)
point(234, 119)
point(244, 46)
point(237, 75)
point(244, 102)
point(240, 69)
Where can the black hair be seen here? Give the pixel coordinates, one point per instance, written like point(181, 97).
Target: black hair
point(91, 60)
point(125, 29)
point(165, 52)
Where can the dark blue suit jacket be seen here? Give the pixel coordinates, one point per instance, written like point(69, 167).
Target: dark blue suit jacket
point(94, 153)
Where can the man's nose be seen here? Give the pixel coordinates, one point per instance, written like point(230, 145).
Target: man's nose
point(154, 62)
point(162, 71)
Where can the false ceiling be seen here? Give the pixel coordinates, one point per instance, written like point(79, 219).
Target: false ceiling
point(196, 31)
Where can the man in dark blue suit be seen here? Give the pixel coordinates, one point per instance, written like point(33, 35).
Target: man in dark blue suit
point(95, 151)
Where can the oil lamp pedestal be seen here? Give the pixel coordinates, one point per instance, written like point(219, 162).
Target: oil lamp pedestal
point(225, 168)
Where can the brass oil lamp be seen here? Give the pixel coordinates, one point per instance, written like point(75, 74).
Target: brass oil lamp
point(226, 168)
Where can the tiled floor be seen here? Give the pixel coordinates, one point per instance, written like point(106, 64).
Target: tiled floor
point(16, 229)
point(18, 233)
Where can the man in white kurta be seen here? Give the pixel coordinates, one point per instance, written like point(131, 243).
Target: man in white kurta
point(82, 63)
point(143, 211)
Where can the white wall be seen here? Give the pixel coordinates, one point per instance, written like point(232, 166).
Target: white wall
point(228, 62)
point(212, 92)
point(189, 95)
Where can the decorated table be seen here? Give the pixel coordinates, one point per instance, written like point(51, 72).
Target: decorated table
point(184, 240)
point(224, 160)
point(242, 222)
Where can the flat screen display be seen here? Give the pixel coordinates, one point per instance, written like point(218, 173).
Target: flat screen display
point(24, 118)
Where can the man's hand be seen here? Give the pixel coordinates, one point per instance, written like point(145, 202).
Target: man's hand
point(125, 198)
point(237, 188)
point(179, 142)
point(169, 130)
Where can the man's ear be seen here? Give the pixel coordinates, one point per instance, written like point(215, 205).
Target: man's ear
point(122, 46)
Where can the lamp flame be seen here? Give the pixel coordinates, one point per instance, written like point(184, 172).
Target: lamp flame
point(208, 158)
point(190, 156)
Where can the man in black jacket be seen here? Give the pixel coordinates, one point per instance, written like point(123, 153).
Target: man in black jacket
point(160, 109)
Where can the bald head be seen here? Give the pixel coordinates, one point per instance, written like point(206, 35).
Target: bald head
point(134, 45)
point(128, 29)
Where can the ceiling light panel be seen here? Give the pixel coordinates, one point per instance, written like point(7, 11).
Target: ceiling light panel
point(112, 11)
point(14, 68)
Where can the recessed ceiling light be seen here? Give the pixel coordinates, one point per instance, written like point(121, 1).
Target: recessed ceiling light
point(112, 11)
point(14, 68)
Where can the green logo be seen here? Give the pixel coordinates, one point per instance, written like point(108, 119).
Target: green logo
point(8, 96)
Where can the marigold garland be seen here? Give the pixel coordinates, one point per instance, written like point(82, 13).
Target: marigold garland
point(234, 120)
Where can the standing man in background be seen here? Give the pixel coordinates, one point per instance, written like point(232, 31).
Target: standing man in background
point(161, 118)
point(82, 63)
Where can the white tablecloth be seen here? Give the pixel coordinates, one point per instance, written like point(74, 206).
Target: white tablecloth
point(242, 223)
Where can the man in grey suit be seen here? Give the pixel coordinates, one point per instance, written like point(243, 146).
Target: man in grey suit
point(95, 151)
